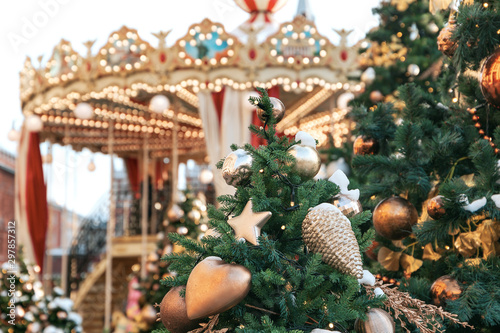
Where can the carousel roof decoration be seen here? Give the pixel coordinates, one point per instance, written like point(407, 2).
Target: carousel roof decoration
point(120, 79)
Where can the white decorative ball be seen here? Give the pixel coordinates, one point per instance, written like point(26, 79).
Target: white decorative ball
point(84, 111)
point(34, 123)
point(413, 69)
point(206, 176)
point(368, 75)
point(182, 230)
point(91, 166)
point(14, 135)
point(159, 103)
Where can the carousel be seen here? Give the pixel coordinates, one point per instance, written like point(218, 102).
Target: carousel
point(155, 106)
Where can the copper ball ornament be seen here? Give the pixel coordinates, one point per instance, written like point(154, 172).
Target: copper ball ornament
point(173, 313)
point(444, 289)
point(435, 207)
point(376, 96)
point(364, 145)
point(377, 321)
point(237, 167)
point(444, 40)
point(489, 79)
point(394, 217)
point(278, 110)
point(307, 161)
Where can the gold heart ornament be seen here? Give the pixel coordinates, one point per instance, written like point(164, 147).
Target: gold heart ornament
point(215, 286)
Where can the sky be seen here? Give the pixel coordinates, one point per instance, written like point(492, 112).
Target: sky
point(33, 27)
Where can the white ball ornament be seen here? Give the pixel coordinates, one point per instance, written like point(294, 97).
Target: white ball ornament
point(159, 103)
point(368, 75)
point(34, 123)
point(91, 166)
point(84, 111)
point(206, 176)
point(413, 69)
point(13, 135)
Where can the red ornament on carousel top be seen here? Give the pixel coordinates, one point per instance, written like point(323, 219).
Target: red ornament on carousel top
point(260, 10)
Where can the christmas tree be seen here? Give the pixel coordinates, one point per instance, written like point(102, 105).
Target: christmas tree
point(186, 218)
point(402, 49)
point(281, 257)
point(25, 307)
point(434, 180)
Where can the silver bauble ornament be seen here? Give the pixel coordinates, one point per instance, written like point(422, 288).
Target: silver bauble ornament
point(307, 163)
point(278, 110)
point(237, 167)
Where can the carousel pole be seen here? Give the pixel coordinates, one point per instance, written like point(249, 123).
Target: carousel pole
point(64, 238)
point(144, 214)
point(109, 235)
point(175, 158)
point(154, 199)
point(47, 275)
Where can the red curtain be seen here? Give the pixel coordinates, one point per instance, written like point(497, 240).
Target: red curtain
point(218, 98)
point(255, 140)
point(36, 198)
point(132, 165)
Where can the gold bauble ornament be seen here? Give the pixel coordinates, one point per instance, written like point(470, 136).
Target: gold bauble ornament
point(490, 79)
point(445, 44)
point(443, 289)
point(327, 231)
point(307, 161)
point(248, 224)
point(435, 207)
point(237, 167)
point(278, 110)
point(194, 215)
point(376, 96)
point(173, 312)
point(215, 286)
point(394, 217)
point(377, 321)
point(365, 146)
point(175, 213)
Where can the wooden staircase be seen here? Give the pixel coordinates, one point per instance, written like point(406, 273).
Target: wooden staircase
point(89, 300)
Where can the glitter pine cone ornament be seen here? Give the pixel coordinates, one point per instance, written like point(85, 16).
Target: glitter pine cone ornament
point(327, 231)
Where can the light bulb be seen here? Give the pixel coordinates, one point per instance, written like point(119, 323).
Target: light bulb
point(159, 103)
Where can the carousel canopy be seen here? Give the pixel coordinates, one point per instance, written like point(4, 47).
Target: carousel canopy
point(119, 81)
